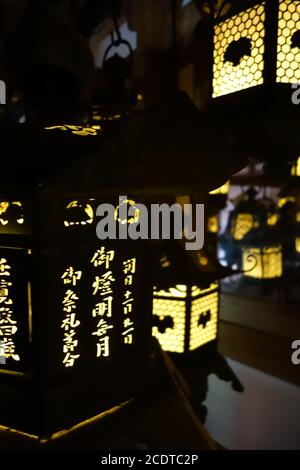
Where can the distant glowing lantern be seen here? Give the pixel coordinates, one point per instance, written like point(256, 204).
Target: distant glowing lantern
point(262, 254)
point(255, 46)
point(248, 214)
point(186, 301)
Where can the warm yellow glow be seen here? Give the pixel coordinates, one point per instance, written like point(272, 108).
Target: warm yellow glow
point(78, 130)
point(70, 323)
point(130, 220)
point(222, 189)
point(20, 433)
point(229, 78)
point(295, 171)
point(164, 262)
point(196, 291)
point(283, 200)
point(272, 219)
point(76, 427)
point(171, 314)
point(297, 243)
point(179, 291)
point(170, 310)
point(87, 422)
point(213, 224)
point(288, 57)
point(86, 210)
point(129, 272)
point(102, 256)
point(298, 217)
point(8, 325)
point(4, 206)
point(242, 225)
point(263, 263)
point(204, 318)
point(14, 373)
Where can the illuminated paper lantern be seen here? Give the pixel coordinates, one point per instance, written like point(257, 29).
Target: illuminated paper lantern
point(75, 322)
point(256, 45)
point(262, 254)
point(186, 301)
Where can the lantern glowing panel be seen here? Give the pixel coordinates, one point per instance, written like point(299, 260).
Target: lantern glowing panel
point(242, 225)
point(185, 318)
point(262, 262)
point(297, 244)
point(239, 51)
point(256, 46)
point(295, 171)
point(288, 51)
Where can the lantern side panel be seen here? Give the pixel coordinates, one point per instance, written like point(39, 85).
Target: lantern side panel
point(169, 310)
point(204, 318)
point(239, 51)
point(272, 262)
point(288, 43)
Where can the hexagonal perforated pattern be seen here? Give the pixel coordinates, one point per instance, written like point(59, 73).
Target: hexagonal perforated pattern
point(202, 331)
point(229, 78)
point(288, 57)
point(172, 339)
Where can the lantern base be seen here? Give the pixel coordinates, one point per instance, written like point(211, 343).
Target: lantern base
point(189, 358)
point(40, 411)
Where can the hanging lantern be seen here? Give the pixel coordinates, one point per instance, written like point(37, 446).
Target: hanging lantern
point(255, 46)
point(262, 254)
point(186, 300)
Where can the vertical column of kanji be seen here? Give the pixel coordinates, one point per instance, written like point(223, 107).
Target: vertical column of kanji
point(103, 310)
point(8, 325)
point(129, 271)
point(70, 322)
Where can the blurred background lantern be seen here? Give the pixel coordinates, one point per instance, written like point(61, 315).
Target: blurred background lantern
point(186, 299)
point(248, 214)
point(262, 254)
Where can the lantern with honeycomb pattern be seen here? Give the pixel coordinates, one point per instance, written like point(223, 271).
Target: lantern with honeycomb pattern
point(186, 301)
point(256, 44)
point(262, 254)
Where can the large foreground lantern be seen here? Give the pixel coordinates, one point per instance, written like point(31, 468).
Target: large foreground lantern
point(262, 254)
point(186, 300)
point(256, 43)
point(75, 310)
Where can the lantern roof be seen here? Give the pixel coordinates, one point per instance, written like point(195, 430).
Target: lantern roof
point(172, 265)
point(159, 153)
point(262, 236)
